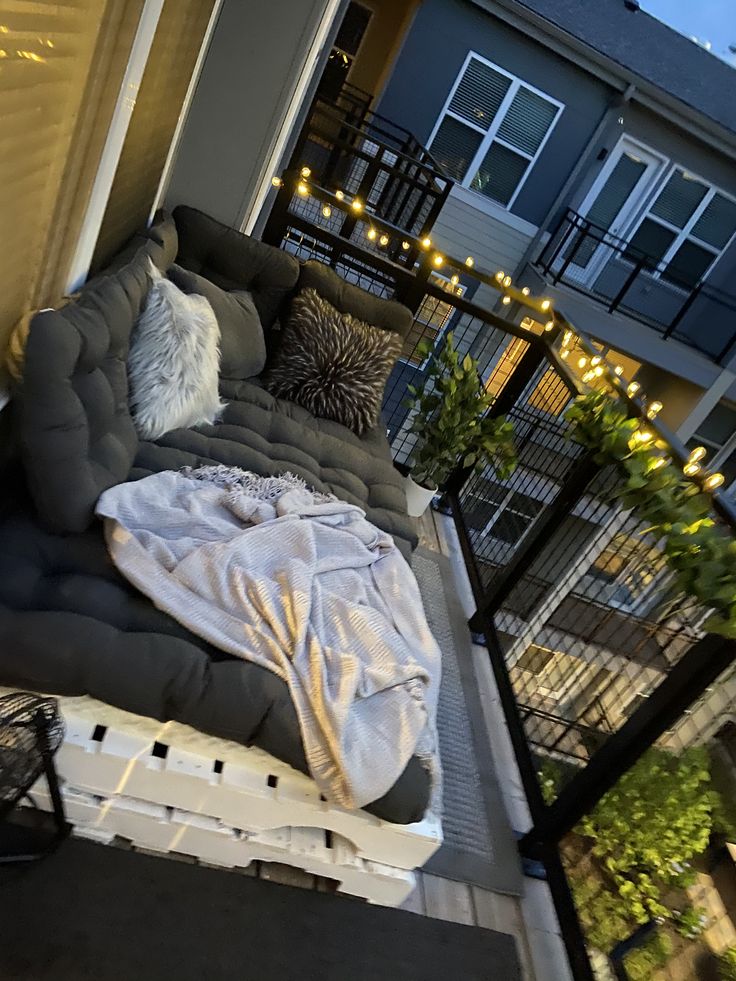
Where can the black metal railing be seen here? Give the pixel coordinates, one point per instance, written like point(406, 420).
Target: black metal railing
point(594, 655)
point(365, 156)
point(589, 259)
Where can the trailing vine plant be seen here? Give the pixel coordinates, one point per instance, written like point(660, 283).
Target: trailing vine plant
point(700, 554)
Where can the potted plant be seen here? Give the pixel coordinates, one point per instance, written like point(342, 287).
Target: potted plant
point(453, 425)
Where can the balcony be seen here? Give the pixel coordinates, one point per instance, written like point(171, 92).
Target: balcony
point(590, 260)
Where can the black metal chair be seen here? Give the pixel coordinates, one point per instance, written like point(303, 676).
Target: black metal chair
point(31, 730)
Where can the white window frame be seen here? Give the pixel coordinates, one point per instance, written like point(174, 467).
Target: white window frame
point(489, 136)
point(682, 235)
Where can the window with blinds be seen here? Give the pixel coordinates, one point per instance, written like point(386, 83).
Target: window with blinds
point(492, 129)
point(179, 36)
point(686, 227)
point(46, 55)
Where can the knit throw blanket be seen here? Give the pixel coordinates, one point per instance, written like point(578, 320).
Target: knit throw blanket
point(302, 584)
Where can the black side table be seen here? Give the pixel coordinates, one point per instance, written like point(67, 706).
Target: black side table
point(31, 730)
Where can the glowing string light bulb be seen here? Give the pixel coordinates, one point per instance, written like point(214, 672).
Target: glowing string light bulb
point(715, 480)
point(549, 325)
point(507, 281)
point(690, 469)
point(697, 454)
point(525, 290)
point(438, 260)
point(327, 211)
point(546, 304)
point(596, 360)
point(356, 204)
point(383, 240)
point(619, 370)
point(470, 262)
point(339, 195)
point(455, 279)
point(276, 181)
point(582, 362)
point(305, 172)
point(506, 300)
point(499, 275)
point(654, 408)
point(632, 389)
point(372, 234)
point(426, 242)
point(302, 188)
point(405, 246)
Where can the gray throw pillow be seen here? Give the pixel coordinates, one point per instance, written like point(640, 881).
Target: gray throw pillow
point(333, 364)
point(242, 344)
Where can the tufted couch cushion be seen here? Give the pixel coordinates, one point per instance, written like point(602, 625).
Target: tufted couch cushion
point(269, 435)
point(75, 432)
point(234, 261)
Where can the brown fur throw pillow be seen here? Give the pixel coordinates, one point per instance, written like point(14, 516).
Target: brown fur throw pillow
point(333, 364)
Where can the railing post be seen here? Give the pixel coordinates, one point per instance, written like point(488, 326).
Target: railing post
point(687, 680)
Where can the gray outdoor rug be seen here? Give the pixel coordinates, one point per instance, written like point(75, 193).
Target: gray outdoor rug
point(479, 845)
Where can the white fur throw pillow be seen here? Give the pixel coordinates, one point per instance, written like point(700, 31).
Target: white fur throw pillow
point(173, 361)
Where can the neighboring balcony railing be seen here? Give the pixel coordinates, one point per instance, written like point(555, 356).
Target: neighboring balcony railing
point(587, 258)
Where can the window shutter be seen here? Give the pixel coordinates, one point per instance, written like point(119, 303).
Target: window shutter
point(679, 199)
point(479, 94)
point(46, 52)
point(527, 120)
point(164, 85)
point(500, 173)
point(454, 146)
point(717, 223)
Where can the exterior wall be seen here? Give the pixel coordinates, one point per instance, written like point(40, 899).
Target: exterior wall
point(382, 41)
point(440, 37)
point(257, 54)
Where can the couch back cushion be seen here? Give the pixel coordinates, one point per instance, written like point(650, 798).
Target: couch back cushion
point(74, 428)
point(235, 261)
point(359, 303)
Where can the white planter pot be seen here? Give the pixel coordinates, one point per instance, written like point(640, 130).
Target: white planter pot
point(418, 498)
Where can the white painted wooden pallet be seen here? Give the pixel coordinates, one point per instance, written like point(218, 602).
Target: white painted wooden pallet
point(119, 780)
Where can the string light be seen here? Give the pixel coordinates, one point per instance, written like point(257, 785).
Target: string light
point(619, 370)
point(654, 408)
point(455, 279)
point(690, 469)
point(276, 181)
point(643, 436)
point(567, 338)
point(438, 260)
point(327, 211)
point(305, 172)
point(596, 360)
point(507, 281)
point(405, 246)
point(339, 195)
point(582, 362)
point(525, 290)
point(659, 462)
point(372, 233)
point(549, 325)
point(598, 370)
point(565, 353)
point(426, 242)
point(632, 389)
point(383, 240)
point(470, 262)
point(588, 376)
point(546, 304)
point(506, 300)
point(302, 188)
point(356, 205)
point(499, 275)
point(697, 454)
point(715, 480)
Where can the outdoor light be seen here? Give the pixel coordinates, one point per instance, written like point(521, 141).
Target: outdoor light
point(642, 436)
point(596, 360)
point(327, 211)
point(339, 195)
point(455, 279)
point(632, 389)
point(426, 242)
point(302, 188)
point(305, 172)
point(507, 281)
point(499, 275)
point(588, 376)
point(565, 354)
point(567, 338)
point(383, 240)
point(371, 233)
point(506, 300)
point(438, 260)
point(356, 205)
point(405, 246)
point(690, 469)
point(697, 454)
point(654, 408)
point(619, 369)
point(582, 362)
point(715, 480)
point(659, 462)
point(549, 325)
point(470, 262)
point(546, 304)
point(276, 181)
point(598, 370)
point(525, 290)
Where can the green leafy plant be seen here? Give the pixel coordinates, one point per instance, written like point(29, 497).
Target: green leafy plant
point(642, 963)
point(698, 552)
point(727, 965)
point(645, 831)
point(452, 421)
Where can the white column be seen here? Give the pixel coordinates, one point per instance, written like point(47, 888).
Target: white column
point(708, 401)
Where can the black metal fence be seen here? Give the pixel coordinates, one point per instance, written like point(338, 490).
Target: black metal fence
point(589, 259)
point(594, 655)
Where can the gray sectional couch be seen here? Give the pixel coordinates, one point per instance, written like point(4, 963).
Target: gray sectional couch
point(69, 623)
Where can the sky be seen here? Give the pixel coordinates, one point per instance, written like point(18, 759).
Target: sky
point(708, 20)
